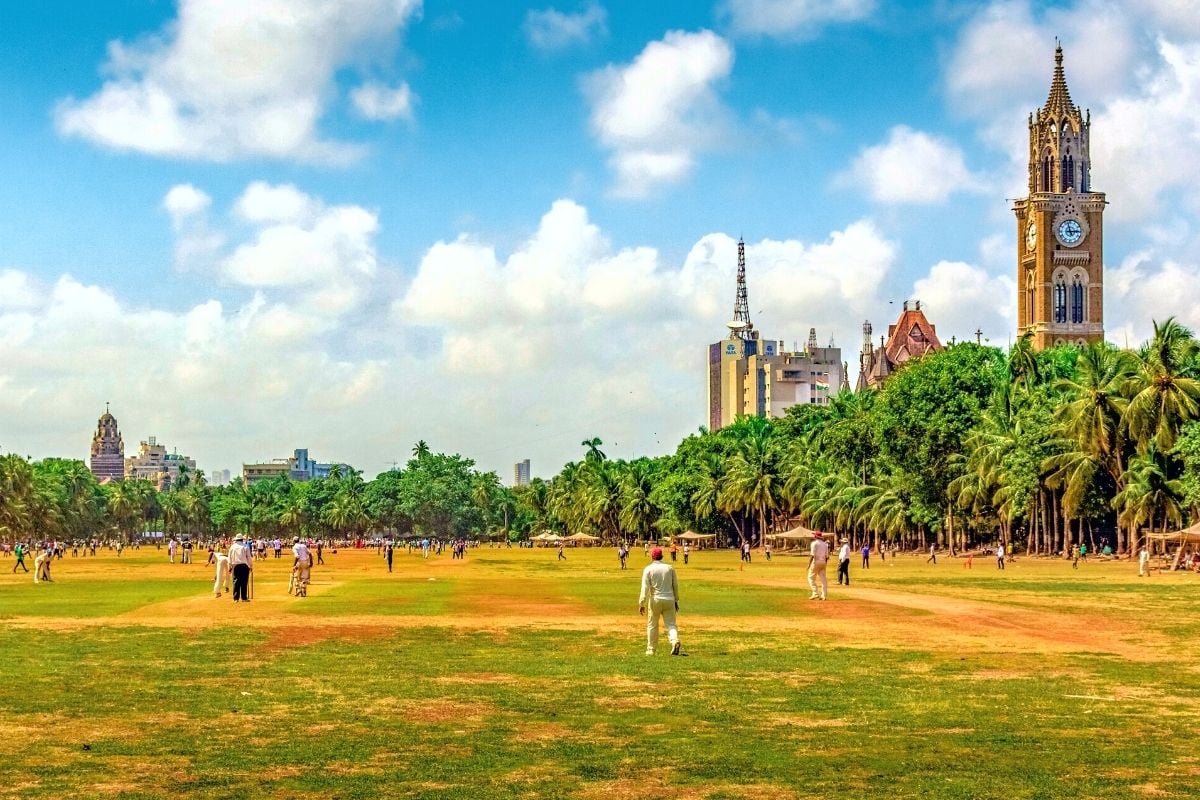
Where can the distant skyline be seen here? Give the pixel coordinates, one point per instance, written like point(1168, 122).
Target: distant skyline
point(505, 228)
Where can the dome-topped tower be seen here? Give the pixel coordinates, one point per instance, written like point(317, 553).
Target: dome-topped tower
point(108, 449)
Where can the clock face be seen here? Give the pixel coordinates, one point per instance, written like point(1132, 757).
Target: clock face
point(1070, 231)
point(1031, 236)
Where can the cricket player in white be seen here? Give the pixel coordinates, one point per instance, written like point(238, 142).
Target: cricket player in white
point(660, 594)
point(302, 564)
point(816, 567)
point(219, 584)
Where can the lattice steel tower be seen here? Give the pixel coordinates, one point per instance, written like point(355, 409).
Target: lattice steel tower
point(741, 326)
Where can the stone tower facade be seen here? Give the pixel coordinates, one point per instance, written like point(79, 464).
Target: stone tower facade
point(108, 450)
point(1060, 228)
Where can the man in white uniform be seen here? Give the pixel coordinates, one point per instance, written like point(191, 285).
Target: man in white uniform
point(660, 594)
point(819, 552)
point(1144, 562)
point(302, 565)
point(41, 567)
point(222, 561)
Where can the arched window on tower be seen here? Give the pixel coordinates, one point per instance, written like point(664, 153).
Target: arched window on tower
point(1060, 301)
point(1083, 177)
point(1077, 298)
point(1069, 173)
point(1047, 172)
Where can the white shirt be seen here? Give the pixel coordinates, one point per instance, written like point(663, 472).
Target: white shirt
point(819, 551)
point(844, 553)
point(658, 582)
point(1144, 555)
point(300, 551)
point(240, 553)
point(1000, 551)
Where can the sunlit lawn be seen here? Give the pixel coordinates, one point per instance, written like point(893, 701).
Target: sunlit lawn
point(513, 675)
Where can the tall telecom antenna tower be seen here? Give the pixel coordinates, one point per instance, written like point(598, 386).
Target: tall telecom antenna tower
point(741, 326)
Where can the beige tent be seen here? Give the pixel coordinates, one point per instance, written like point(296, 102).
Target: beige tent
point(701, 540)
point(1183, 538)
point(791, 538)
point(545, 538)
point(581, 538)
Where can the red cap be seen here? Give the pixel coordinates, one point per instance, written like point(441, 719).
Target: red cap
point(656, 553)
point(819, 535)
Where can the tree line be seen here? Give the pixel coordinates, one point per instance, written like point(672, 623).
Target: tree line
point(966, 448)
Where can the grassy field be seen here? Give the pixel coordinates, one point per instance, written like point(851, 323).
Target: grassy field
point(512, 675)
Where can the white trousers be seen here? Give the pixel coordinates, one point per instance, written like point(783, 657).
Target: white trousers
point(219, 583)
point(656, 610)
point(816, 573)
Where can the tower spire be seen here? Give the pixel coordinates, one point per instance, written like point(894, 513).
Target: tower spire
point(741, 324)
point(1059, 102)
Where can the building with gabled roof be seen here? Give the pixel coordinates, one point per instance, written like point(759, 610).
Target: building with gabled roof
point(912, 336)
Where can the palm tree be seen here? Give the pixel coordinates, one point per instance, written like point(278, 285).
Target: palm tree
point(600, 496)
point(1149, 496)
point(1023, 369)
point(883, 510)
point(637, 513)
point(420, 450)
point(345, 514)
point(594, 453)
point(1165, 398)
point(125, 504)
point(486, 487)
point(194, 502)
point(172, 510)
point(293, 516)
point(16, 489)
point(752, 481)
point(1098, 402)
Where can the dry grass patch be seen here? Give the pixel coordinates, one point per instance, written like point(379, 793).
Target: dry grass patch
point(440, 711)
point(790, 721)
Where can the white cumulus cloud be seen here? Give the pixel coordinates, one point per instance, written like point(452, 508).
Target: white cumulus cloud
point(657, 112)
point(960, 298)
point(793, 18)
point(231, 79)
point(911, 167)
point(375, 101)
point(550, 29)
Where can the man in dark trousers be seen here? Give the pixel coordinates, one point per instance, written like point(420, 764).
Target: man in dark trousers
point(388, 547)
point(241, 560)
point(19, 552)
point(844, 563)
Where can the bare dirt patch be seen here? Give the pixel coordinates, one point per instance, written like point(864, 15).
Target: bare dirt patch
point(285, 638)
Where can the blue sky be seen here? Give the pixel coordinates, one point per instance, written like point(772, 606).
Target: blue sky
point(505, 227)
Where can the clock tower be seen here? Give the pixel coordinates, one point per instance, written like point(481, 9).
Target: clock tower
point(1060, 230)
